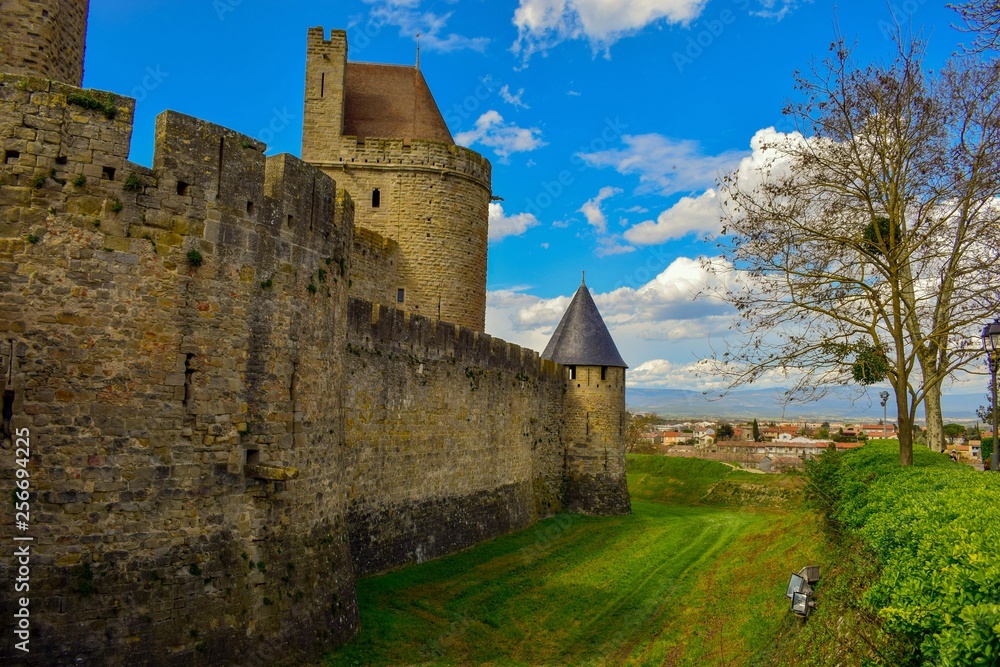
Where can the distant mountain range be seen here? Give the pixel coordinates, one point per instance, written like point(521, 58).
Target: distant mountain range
point(765, 404)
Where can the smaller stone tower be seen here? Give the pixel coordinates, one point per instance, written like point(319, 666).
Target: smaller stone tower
point(44, 38)
point(594, 409)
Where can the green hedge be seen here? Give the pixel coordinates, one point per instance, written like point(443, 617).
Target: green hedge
point(935, 530)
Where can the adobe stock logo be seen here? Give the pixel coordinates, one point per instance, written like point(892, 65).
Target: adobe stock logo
point(154, 77)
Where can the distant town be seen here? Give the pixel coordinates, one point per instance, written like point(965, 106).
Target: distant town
point(779, 446)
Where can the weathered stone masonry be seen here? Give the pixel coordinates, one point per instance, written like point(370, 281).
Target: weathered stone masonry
point(453, 437)
point(165, 399)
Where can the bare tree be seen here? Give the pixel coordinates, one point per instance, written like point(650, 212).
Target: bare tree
point(636, 426)
point(861, 245)
point(981, 17)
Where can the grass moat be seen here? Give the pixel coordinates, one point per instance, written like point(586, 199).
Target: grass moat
point(696, 575)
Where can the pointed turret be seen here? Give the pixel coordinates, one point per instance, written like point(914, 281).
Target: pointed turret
point(593, 409)
point(582, 338)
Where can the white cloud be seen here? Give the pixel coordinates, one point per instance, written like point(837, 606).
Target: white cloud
point(612, 245)
point(542, 24)
point(775, 9)
point(407, 16)
point(703, 213)
point(502, 226)
point(591, 209)
point(504, 138)
point(689, 215)
point(511, 98)
point(697, 375)
point(573, 93)
point(665, 165)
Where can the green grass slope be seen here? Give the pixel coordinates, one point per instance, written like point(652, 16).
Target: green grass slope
point(674, 583)
point(684, 481)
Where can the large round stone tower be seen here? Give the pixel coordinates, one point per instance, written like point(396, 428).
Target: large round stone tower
point(377, 131)
point(594, 409)
point(43, 38)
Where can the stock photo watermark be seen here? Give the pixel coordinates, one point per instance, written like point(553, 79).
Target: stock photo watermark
point(21, 557)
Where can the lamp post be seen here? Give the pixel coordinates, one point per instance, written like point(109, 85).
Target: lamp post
point(884, 395)
point(991, 343)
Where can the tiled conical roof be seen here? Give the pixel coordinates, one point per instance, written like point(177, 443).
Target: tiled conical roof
point(582, 338)
point(391, 101)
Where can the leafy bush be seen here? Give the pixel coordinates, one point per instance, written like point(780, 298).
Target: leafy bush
point(132, 184)
point(823, 475)
point(935, 530)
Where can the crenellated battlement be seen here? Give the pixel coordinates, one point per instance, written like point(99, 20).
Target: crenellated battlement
point(319, 44)
point(210, 187)
point(400, 155)
point(379, 326)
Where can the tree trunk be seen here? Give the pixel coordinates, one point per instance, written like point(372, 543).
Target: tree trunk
point(935, 418)
point(905, 427)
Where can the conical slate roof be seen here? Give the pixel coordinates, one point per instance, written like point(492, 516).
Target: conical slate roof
point(582, 338)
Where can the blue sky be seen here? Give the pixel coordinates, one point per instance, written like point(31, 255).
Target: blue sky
point(607, 122)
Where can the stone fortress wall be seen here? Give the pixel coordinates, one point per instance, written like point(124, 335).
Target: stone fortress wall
point(228, 423)
point(453, 437)
point(177, 340)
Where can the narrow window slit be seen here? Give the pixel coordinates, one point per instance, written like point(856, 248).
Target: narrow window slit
point(108, 173)
point(293, 400)
point(188, 386)
point(8, 395)
point(183, 189)
point(11, 157)
point(218, 184)
point(312, 205)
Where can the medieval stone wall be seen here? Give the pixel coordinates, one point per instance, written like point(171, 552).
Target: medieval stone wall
point(44, 39)
point(373, 267)
point(177, 340)
point(453, 437)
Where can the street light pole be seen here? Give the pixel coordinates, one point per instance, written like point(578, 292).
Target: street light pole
point(884, 395)
point(996, 450)
point(991, 345)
